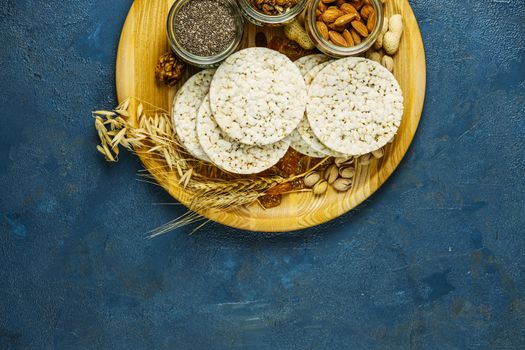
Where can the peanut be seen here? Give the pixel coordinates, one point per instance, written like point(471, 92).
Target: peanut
point(374, 56)
point(392, 37)
point(294, 31)
point(388, 63)
point(379, 42)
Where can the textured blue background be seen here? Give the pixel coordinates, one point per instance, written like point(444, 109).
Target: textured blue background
point(434, 260)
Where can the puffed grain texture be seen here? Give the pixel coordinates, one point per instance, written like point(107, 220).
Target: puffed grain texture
point(258, 96)
point(184, 111)
point(355, 106)
point(233, 156)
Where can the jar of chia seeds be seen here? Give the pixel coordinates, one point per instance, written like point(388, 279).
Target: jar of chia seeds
point(271, 13)
point(204, 33)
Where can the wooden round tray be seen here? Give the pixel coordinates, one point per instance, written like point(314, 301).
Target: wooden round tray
point(144, 39)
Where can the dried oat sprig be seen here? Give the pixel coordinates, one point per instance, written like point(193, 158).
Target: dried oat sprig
point(147, 131)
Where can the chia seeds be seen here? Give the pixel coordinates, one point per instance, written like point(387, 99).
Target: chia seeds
point(205, 27)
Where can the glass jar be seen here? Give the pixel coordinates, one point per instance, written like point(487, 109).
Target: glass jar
point(204, 61)
point(260, 19)
point(339, 51)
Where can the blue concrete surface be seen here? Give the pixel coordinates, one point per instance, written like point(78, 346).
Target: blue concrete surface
point(434, 260)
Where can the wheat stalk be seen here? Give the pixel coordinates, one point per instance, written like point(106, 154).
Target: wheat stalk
point(150, 135)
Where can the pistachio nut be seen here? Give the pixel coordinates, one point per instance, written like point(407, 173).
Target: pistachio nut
point(311, 179)
point(342, 185)
point(341, 161)
point(320, 187)
point(347, 172)
point(379, 153)
point(365, 159)
point(331, 174)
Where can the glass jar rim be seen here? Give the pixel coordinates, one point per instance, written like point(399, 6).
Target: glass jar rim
point(204, 61)
point(340, 51)
point(272, 19)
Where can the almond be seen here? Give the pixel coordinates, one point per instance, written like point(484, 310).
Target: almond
point(331, 15)
point(337, 38)
point(323, 29)
point(348, 38)
point(322, 7)
point(345, 19)
point(318, 13)
point(355, 36)
point(348, 9)
point(332, 26)
point(327, 1)
point(339, 2)
point(371, 23)
point(360, 28)
point(358, 3)
point(366, 11)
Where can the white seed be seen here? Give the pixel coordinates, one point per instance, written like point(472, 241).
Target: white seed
point(320, 187)
point(311, 179)
point(342, 185)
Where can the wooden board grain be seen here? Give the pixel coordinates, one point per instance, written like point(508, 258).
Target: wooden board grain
point(143, 40)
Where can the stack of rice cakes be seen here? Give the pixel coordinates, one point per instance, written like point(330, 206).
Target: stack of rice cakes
point(244, 116)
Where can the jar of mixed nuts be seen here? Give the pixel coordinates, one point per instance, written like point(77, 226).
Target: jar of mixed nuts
point(271, 12)
point(205, 32)
point(342, 28)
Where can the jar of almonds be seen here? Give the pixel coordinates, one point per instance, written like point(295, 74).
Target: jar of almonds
point(342, 28)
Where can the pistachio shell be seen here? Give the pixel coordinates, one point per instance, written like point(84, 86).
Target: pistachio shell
point(320, 187)
point(378, 153)
point(311, 179)
point(364, 159)
point(331, 173)
point(342, 161)
point(342, 185)
point(347, 172)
